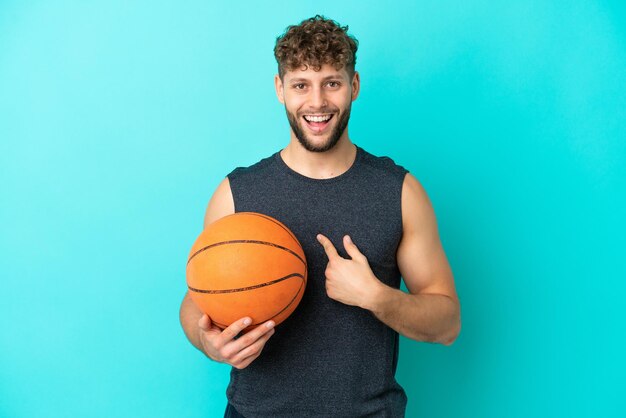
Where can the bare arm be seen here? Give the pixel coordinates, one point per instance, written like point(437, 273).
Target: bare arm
point(220, 205)
point(216, 344)
point(431, 311)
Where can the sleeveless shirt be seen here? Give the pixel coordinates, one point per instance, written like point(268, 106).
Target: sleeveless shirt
point(327, 359)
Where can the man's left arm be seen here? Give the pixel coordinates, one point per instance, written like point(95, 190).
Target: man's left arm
point(431, 311)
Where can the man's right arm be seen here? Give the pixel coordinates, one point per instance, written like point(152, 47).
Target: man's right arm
point(212, 341)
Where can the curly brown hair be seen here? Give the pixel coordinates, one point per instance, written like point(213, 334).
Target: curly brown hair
point(314, 42)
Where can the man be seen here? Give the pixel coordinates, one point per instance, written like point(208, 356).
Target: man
point(363, 222)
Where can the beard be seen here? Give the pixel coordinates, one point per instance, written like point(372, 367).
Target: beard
point(335, 134)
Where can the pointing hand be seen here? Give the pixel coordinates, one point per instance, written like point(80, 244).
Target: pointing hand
point(349, 281)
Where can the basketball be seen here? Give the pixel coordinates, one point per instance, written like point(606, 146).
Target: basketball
point(246, 264)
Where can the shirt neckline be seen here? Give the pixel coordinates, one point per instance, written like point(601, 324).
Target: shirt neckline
point(285, 168)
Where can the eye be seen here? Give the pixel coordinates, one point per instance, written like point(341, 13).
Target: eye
point(298, 86)
point(333, 84)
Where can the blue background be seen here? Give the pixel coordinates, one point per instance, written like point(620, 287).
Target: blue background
point(118, 120)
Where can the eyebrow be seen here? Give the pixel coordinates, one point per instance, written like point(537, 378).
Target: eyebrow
point(300, 80)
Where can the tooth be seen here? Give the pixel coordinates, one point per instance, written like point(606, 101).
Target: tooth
point(315, 118)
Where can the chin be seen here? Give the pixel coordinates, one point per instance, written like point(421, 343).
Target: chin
point(319, 145)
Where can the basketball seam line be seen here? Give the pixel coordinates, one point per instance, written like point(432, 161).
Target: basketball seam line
point(278, 313)
point(242, 289)
point(245, 241)
point(276, 222)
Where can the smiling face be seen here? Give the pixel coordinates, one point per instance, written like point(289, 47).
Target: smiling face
point(318, 104)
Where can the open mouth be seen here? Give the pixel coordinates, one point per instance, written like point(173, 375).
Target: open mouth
point(317, 123)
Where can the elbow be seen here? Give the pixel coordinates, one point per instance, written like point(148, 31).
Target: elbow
point(454, 333)
point(451, 338)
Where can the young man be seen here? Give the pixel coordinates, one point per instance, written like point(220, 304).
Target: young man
point(363, 223)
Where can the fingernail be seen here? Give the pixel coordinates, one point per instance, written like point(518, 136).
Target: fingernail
point(348, 239)
point(270, 324)
point(247, 321)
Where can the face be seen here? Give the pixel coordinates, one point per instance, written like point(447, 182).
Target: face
point(318, 104)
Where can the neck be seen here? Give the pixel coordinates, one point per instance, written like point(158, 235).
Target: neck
point(320, 165)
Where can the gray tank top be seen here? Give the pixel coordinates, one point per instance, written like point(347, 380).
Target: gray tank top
point(327, 359)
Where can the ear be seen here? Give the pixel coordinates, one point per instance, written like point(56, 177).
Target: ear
point(356, 85)
point(278, 84)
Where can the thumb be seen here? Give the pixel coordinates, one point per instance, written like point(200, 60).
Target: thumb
point(204, 322)
point(352, 249)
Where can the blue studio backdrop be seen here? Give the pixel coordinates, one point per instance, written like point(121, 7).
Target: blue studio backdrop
point(118, 119)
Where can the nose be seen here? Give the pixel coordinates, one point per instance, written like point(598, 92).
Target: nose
point(318, 98)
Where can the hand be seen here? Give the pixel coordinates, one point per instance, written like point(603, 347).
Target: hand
point(349, 281)
point(221, 346)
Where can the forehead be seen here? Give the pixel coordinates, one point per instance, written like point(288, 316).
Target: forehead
point(309, 74)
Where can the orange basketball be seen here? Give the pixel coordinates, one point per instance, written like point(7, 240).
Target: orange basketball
point(246, 264)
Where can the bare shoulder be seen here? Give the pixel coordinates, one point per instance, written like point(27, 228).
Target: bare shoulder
point(220, 204)
point(417, 209)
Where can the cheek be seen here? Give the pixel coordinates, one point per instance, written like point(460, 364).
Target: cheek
point(293, 104)
point(344, 100)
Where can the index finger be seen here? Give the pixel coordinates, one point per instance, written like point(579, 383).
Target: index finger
point(331, 252)
point(234, 329)
point(252, 336)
